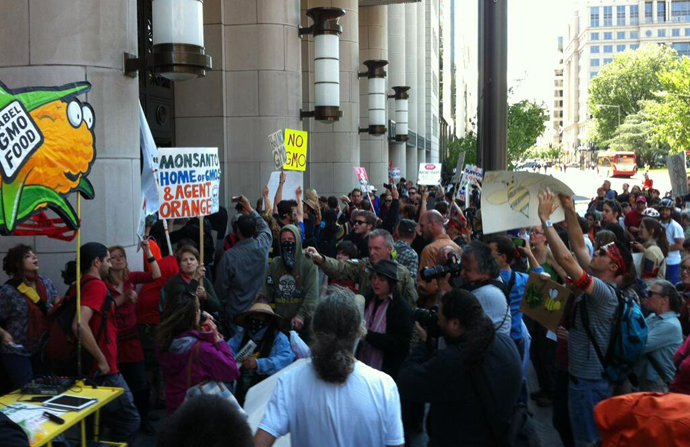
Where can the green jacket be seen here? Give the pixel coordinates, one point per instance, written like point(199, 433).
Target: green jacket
point(292, 294)
point(359, 270)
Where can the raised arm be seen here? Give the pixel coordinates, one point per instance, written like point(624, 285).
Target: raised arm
point(279, 192)
point(300, 206)
point(267, 200)
point(155, 268)
point(425, 196)
point(575, 235)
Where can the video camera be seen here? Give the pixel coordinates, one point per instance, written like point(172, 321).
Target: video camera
point(451, 266)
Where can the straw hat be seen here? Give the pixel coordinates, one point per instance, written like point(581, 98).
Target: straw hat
point(257, 308)
point(311, 199)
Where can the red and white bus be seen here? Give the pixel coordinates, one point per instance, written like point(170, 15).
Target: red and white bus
point(617, 164)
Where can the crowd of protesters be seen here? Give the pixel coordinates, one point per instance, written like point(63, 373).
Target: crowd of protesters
point(400, 300)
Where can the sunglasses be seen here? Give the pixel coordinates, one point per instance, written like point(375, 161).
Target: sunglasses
point(389, 201)
point(360, 222)
point(651, 293)
point(614, 254)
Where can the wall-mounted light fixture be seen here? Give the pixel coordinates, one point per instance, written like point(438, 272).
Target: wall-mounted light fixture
point(401, 111)
point(377, 96)
point(326, 32)
point(178, 42)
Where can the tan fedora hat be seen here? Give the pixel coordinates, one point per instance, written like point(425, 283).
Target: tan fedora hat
point(257, 308)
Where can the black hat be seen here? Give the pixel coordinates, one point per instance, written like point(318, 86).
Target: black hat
point(387, 268)
point(407, 227)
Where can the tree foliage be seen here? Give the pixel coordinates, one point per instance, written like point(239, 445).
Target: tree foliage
point(624, 84)
point(636, 135)
point(466, 144)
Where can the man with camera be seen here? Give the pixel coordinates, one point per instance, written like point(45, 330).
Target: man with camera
point(472, 384)
point(431, 227)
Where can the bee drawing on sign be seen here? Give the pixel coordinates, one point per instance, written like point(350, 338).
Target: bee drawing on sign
point(517, 194)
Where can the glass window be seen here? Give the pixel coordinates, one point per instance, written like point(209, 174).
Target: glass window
point(620, 15)
point(594, 49)
point(680, 11)
point(675, 32)
point(608, 48)
point(648, 13)
point(661, 12)
point(683, 48)
point(687, 32)
point(634, 46)
point(634, 14)
point(620, 48)
point(608, 36)
point(661, 33)
point(620, 35)
point(648, 33)
point(594, 17)
point(594, 62)
point(608, 60)
point(593, 74)
point(608, 15)
point(594, 36)
point(634, 34)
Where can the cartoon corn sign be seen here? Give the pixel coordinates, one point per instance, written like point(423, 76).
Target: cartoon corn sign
point(47, 148)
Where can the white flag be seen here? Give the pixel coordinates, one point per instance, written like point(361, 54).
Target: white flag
point(149, 188)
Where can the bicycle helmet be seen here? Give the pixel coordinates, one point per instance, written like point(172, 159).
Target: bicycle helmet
point(651, 212)
point(666, 203)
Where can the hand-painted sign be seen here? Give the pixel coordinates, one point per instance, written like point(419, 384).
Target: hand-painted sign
point(395, 174)
point(361, 174)
point(429, 174)
point(544, 301)
point(296, 142)
point(47, 148)
point(277, 141)
point(678, 174)
point(189, 182)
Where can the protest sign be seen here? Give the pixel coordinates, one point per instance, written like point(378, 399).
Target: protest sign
point(544, 300)
point(429, 174)
point(296, 142)
point(458, 169)
point(510, 199)
point(361, 174)
point(678, 174)
point(293, 179)
point(277, 142)
point(395, 174)
point(471, 175)
point(189, 182)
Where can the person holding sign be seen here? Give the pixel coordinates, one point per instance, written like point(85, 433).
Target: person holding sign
point(191, 278)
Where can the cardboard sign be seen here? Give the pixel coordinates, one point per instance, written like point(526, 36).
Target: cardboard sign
point(361, 174)
point(678, 174)
point(511, 199)
point(293, 179)
point(471, 175)
point(277, 142)
point(544, 301)
point(296, 142)
point(458, 169)
point(189, 182)
point(395, 174)
point(429, 174)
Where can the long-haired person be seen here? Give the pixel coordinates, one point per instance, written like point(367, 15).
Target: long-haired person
point(335, 400)
point(655, 249)
point(189, 354)
point(25, 300)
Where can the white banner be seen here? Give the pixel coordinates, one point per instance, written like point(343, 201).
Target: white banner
point(678, 174)
point(293, 179)
point(429, 174)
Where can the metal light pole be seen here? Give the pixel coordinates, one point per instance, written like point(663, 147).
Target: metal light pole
point(492, 127)
point(612, 106)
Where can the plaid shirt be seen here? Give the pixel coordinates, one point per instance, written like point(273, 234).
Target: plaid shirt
point(406, 256)
point(14, 315)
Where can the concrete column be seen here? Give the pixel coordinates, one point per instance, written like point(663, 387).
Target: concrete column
point(396, 74)
point(411, 78)
point(421, 80)
point(373, 44)
point(333, 148)
point(65, 41)
point(253, 90)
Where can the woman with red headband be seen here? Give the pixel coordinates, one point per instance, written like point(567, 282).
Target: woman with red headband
point(610, 265)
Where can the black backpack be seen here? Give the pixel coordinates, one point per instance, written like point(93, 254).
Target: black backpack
point(59, 353)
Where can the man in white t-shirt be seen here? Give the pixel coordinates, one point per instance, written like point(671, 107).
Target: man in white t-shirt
point(675, 236)
point(334, 401)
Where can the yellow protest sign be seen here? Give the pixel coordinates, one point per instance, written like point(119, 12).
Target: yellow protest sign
point(296, 150)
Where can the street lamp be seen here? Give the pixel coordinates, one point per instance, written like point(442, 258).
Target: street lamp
point(377, 96)
point(401, 112)
point(612, 106)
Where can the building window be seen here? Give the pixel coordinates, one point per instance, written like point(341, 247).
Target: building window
point(687, 32)
point(594, 49)
point(634, 14)
point(608, 48)
point(620, 35)
point(683, 48)
point(608, 36)
point(593, 74)
point(634, 34)
point(620, 48)
point(648, 12)
point(634, 46)
point(661, 33)
point(680, 11)
point(608, 15)
point(594, 62)
point(620, 15)
point(648, 33)
point(661, 12)
point(594, 36)
point(675, 32)
point(608, 60)
point(594, 17)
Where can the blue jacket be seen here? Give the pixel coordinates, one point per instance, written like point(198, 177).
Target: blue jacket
point(280, 357)
point(516, 294)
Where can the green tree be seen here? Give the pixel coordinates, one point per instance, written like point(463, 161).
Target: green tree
point(624, 84)
point(526, 122)
point(636, 134)
point(466, 144)
point(670, 112)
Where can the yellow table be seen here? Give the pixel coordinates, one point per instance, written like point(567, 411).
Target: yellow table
point(104, 396)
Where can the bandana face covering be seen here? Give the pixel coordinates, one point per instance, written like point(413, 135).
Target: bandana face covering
point(255, 326)
point(288, 254)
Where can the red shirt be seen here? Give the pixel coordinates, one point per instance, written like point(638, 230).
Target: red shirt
point(129, 348)
point(93, 295)
point(633, 219)
point(147, 307)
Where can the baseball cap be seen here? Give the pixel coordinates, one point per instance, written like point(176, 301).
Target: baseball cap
point(641, 199)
